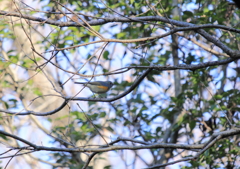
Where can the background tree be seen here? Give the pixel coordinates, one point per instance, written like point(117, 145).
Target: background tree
point(174, 64)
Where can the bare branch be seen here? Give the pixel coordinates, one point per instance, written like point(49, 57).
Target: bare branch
point(119, 19)
point(117, 147)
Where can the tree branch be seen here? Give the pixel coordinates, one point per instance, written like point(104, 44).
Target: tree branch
point(104, 148)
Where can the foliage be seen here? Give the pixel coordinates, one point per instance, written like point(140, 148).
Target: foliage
point(152, 112)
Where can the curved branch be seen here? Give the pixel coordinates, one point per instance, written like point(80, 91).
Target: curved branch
point(37, 113)
point(135, 84)
point(215, 137)
point(18, 138)
point(160, 68)
point(189, 158)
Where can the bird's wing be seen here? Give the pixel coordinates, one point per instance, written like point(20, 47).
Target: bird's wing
point(97, 83)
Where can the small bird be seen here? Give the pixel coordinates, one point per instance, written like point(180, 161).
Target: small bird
point(98, 87)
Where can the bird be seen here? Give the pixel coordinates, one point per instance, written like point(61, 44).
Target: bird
point(98, 87)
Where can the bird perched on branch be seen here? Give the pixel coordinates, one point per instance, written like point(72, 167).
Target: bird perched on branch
point(98, 87)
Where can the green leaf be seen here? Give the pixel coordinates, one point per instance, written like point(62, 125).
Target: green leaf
point(121, 35)
point(192, 125)
point(37, 91)
point(102, 114)
point(105, 55)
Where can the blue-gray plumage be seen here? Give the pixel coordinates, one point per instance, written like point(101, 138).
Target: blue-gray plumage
point(98, 87)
